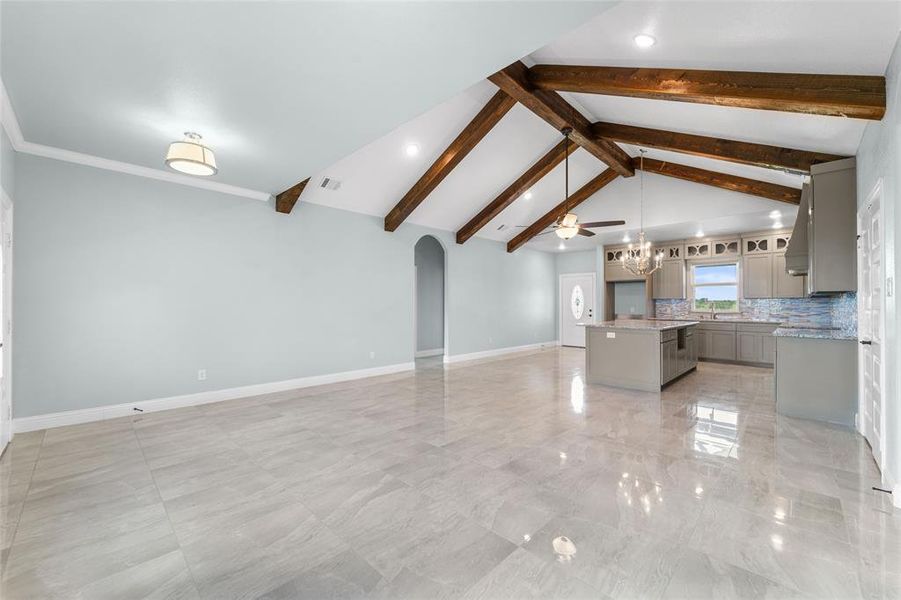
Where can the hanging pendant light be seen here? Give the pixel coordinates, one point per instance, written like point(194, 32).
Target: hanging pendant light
point(191, 156)
point(641, 261)
point(569, 223)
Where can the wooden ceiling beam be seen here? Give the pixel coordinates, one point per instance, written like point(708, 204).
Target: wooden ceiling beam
point(733, 183)
point(581, 195)
point(856, 96)
point(746, 153)
point(542, 167)
point(471, 135)
point(284, 202)
point(551, 107)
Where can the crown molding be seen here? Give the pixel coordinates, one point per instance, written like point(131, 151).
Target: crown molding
point(20, 144)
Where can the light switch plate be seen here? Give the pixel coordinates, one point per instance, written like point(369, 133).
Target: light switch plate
point(611, 334)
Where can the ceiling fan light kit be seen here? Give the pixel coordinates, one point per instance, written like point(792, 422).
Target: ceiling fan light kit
point(191, 156)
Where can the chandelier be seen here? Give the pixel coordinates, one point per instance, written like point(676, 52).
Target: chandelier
point(641, 261)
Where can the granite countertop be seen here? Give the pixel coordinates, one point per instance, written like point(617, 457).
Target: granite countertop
point(815, 334)
point(645, 324)
point(727, 320)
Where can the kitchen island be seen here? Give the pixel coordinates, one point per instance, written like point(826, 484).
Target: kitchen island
point(639, 354)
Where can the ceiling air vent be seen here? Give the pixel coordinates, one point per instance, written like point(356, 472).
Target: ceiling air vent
point(328, 183)
point(502, 227)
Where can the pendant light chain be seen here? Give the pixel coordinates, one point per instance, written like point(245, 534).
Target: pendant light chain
point(642, 261)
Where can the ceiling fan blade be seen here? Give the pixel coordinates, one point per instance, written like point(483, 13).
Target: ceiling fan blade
point(585, 232)
point(603, 223)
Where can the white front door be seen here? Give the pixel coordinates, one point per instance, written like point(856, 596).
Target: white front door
point(871, 313)
point(6, 288)
point(576, 306)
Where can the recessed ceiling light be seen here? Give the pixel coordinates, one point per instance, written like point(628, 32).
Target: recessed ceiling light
point(191, 156)
point(777, 225)
point(626, 238)
point(644, 40)
point(562, 246)
point(527, 195)
point(775, 214)
point(699, 234)
point(412, 150)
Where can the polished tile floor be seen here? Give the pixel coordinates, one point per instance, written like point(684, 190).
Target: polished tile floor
point(454, 482)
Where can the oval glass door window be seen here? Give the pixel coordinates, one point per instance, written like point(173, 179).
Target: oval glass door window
point(577, 302)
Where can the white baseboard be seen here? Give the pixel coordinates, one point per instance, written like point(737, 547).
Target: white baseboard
point(100, 413)
point(499, 352)
point(427, 353)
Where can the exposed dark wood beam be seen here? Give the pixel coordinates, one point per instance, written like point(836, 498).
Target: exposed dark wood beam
point(734, 183)
point(581, 195)
point(551, 107)
point(542, 167)
point(471, 135)
point(746, 153)
point(284, 202)
point(858, 96)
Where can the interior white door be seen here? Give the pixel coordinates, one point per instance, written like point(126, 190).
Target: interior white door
point(871, 328)
point(6, 268)
point(577, 296)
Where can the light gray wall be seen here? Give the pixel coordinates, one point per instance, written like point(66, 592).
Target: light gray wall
point(125, 287)
point(629, 298)
point(7, 164)
point(878, 157)
point(429, 259)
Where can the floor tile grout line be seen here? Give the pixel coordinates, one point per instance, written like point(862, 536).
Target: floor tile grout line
point(34, 467)
point(165, 508)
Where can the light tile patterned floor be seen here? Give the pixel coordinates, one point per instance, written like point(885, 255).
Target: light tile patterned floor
point(453, 483)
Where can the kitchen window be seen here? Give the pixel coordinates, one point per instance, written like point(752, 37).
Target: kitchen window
point(714, 287)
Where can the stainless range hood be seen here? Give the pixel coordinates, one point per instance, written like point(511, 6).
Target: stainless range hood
point(796, 253)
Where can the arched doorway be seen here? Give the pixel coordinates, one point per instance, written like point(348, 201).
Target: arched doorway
point(428, 324)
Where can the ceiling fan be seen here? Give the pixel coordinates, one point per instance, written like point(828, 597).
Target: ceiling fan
point(568, 225)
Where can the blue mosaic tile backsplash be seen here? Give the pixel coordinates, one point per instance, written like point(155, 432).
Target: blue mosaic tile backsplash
point(838, 312)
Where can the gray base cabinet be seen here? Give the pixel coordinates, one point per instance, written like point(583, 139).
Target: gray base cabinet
point(737, 342)
point(678, 353)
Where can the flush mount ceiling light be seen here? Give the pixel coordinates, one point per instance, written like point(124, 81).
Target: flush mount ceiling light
point(411, 150)
point(644, 40)
point(191, 156)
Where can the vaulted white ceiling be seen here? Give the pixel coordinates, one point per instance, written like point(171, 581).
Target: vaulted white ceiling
point(816, 37)
point(286, 90)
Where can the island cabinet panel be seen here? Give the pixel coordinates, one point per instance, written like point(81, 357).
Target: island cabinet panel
point(785, 285)
point(757, 275)
point(768, 349)
point(639, 354)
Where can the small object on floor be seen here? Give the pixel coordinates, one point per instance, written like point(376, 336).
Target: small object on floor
point(564, 548)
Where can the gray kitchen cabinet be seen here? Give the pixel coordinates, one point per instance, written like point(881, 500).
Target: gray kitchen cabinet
point(785, 285)
point(749, 347)
point(768, 349)
point(668, 360)
point(668, 282)
point(832, 227)
point(702, 343)
point(757, 276)
point(722, 345)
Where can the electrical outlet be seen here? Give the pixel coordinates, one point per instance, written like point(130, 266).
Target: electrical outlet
point(201, 375)
point(371, 355)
